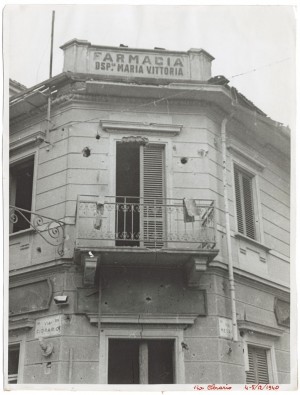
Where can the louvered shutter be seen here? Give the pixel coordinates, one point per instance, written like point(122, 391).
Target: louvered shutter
point(248, 204)
point(238, 199)
point(244, 203)
point(251, 374)
point(258, 366)
point(152, 194)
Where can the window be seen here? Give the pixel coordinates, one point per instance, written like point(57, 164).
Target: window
point(258, 366)
point(244, 202)
point(140, 195)
point(13, 363)
point(259, 352)
point(20, 188)
point(140, 361)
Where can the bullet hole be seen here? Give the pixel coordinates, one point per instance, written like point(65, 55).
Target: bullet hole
point(47, 368)
point(161, 285)
point(68, 317)
point(63, 129)
point(86, 152)
point(184, 346)
point(106, 303)
point(39, 249)
point(148, 299)
point(229, 351)
point(97, 136)
point(183, 160)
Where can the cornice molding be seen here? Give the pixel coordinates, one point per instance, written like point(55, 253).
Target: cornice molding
point(171, 319)
point(33, 138)
point(83, 96)
point(259, 328)
point(72, 95)
point(23, 323)
point(140, 127)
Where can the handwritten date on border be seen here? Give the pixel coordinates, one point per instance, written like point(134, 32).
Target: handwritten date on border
point(261, 387)
point(247, 387)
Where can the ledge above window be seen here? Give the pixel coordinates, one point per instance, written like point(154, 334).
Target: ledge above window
point(254, 327)
point(32, 139)
point(246, 155)
point(23, 323)
point(140, 127)
point(163, 319)
point(252, 241)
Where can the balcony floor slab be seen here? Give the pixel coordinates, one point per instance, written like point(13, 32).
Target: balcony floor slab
point(132, 256)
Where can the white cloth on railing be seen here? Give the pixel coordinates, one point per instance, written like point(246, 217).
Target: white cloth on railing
point(190, 210)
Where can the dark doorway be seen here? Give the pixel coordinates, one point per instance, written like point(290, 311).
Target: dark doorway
point(160, 361)
point(123, 362)
point(13, 363)
point(128, 192)
point(140, 361)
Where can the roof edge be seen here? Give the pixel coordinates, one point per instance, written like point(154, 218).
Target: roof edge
point(128, 49)
point(284, 130)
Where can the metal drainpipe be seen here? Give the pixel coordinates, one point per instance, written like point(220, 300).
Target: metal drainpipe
point(227, 222)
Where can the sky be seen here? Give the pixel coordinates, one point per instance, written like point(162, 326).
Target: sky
point(241, 39)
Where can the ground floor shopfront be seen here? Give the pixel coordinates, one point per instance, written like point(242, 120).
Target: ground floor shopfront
point(144, 326)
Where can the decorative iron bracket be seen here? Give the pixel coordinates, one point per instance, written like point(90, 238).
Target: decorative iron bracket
point(51, 230)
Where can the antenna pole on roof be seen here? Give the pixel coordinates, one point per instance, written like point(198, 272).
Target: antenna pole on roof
point(51, 49)
point(50, 76)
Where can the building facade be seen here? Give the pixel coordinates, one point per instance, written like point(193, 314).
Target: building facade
point(149, 233)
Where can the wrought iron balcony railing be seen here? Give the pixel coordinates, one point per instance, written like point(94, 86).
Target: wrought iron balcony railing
point(143, 222)
point(51, 230)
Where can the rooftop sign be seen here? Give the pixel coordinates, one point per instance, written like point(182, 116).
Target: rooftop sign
point(139, 64)
point(82, 57)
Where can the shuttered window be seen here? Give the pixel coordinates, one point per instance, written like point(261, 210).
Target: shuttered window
point(244, 203)
point(152, 193)
point(258, 366)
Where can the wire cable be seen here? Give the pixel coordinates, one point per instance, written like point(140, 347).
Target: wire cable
point(259, 68)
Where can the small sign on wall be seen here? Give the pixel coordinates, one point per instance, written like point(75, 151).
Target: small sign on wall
point(225, 328)
point(48, 326)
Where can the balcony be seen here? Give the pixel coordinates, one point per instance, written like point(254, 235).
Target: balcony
point(123, 229)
